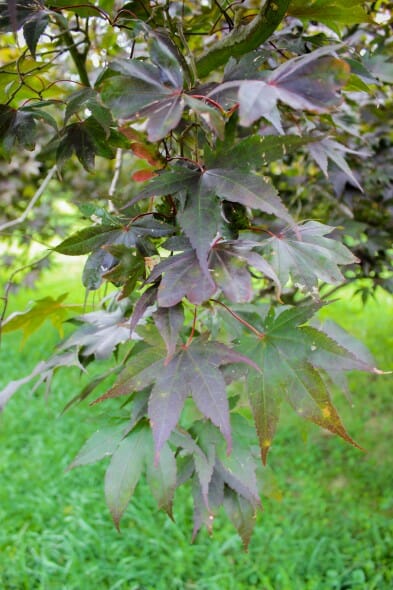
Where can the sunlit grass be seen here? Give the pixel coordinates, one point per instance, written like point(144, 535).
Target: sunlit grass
point(331, 530)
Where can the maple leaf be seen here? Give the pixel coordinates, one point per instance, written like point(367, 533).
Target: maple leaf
point(125, 470)
point(293, 358)
point(311, 82)
point(217, 473)
point(90, 238)
point(20, 126)
point(203, 462)
point(182, 276)
point(199, 219)
point(245, 188)
point(169, 321)
point(161, 477)
point(199, 210)
point(228, 260)
point(101, 444)
point(155, 91)
point(241, 513)
point(31, 320)
point(127, 268)
point(88, 98)
point(304, 253)
point(101, 333)
point(99, 239)
point(193, 370)
point(136, 89)
point(308, 82)
point(146, 300)
point(146, 82)
point(255, 150)
point(44, 371)
point(86, 139)
point(328, 149)
point(203, 514)
point(131, 451)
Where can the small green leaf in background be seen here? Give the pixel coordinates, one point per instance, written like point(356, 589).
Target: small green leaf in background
point(334, 13)
point(43, 309)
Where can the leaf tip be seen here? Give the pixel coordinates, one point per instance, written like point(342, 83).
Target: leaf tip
point(117, 524)
point(264, 452)
point(116, 517)
point(69, 467)
point(157, 457)
point(377, 371)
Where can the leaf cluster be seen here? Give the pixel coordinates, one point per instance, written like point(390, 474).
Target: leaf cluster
point(216, 264)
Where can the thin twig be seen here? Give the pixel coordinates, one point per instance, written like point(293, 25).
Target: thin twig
point(9, 285)
point(191, 65)
point(78, 58)
point(115, 179)
point(32, 203)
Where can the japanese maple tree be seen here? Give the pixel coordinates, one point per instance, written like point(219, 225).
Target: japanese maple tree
point(187, 121)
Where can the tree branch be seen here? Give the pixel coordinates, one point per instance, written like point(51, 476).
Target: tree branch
point(32, 203)
point(78, 58)
point(243, 38)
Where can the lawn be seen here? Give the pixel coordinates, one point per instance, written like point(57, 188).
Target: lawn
point(327, 524)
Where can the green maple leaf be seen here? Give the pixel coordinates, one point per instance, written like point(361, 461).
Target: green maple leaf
point(44, 309)
point(125, 470)
point(294, 360)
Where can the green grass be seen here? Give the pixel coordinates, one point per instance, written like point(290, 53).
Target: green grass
point(330, 531)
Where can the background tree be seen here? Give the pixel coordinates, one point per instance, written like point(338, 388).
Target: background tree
point(255, 129)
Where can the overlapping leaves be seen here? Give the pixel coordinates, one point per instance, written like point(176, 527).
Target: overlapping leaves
point(117, 250)
point(29, 14)
point(193, 370)
point(219, 479)
point(199, 192)
point(88, 139)
point(19, 126)
point(131, 454)
point(228, 262)
point(178, 385)
point(136, 89)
